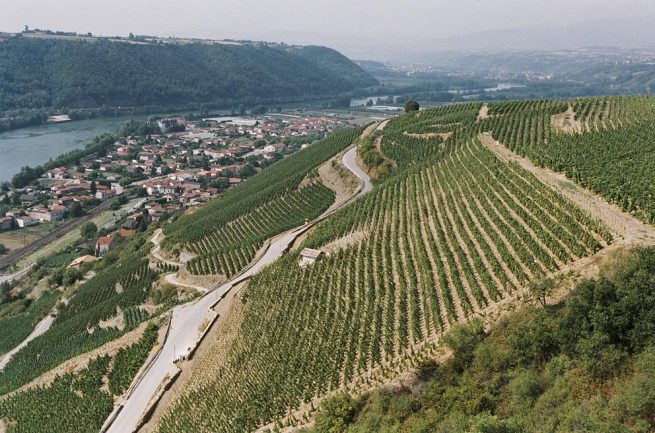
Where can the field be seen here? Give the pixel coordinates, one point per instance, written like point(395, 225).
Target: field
point(82, 394)
point(449, 235)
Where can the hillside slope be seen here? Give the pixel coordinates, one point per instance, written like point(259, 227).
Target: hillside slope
point(452, 234)
point(36, 73)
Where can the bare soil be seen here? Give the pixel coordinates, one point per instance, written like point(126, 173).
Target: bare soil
point(484, 112)
point(426, 135)
point(343, 242)
point(335, 176)
point(565, 122)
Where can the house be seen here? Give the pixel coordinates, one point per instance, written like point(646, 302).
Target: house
point(44, 214)
point(6, 223)
point(124, 233)
point(78, 262)
point(27, 199)
point(56, 173)
point(105, 194)
point(25, 221)
point(309, 256)
point(104, 245)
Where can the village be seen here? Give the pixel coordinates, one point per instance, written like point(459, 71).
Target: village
point(173, 164)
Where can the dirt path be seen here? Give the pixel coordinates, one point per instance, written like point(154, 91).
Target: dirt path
point(484, 112)
point(629, 228)
point(156, 240)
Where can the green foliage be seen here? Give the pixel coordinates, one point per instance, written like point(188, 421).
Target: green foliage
point(610, 152)
point(60, 73)
point(451, 231)
point(411, 106)
point(125, 283)
point(553, 396)
point(335, 414)
point(227, 232)
point(129, 360)
point(71, 403)
point(88, 230)
point(18, 325)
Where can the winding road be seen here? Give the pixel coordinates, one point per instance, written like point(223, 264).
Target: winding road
point(188, 320)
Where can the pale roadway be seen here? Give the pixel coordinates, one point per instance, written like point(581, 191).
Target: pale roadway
point(40, 328)
point(187, 320)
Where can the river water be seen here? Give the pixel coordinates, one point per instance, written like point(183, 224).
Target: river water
point(37, 144)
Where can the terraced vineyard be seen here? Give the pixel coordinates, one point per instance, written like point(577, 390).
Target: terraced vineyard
point(124, 284)
point(230, 248)
point(227, 232)
point(453, 232)
point(80, 395)
point(611, 151)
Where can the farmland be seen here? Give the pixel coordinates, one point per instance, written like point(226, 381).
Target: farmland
point(451, 234)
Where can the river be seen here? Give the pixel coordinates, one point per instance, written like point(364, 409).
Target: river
point(37, 144)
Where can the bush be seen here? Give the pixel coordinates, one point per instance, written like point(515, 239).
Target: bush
point(335, 414)
point(462, 340)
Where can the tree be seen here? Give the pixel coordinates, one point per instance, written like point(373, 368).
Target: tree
point(93, 188)
point(88, 230)
point(76, 209)
point(540, 290)
point(369, 103)
point(246, 171)
point(411, 106)
point(335, 414)
point(3, 249)
point(260, 109)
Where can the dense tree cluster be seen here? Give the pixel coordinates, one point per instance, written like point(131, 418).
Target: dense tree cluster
point(38, 73)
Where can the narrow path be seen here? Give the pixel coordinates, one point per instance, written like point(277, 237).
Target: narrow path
point(171, 278)
point(631, 229)
point(156, 240)
point(188, 319)
point(40, 328)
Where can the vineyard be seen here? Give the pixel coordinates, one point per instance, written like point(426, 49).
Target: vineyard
point(613, 154)
point(450, 234)
point(17, 325)
point(122, 285)
point(230, 248)
point(281, 180)
point(77, 402)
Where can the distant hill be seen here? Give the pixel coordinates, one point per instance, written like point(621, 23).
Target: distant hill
point(628, 32)
point(42, 72)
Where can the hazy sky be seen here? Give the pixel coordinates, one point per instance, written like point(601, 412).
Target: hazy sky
point(340, 23)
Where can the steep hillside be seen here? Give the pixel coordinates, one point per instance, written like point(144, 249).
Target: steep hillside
point(453, 233)
point(36, 73)
point(587, 364)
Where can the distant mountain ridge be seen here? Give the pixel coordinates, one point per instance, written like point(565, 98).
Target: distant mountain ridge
point(42, 72)
point(629, 32)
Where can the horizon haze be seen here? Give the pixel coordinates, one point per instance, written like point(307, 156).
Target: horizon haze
point(385, 31)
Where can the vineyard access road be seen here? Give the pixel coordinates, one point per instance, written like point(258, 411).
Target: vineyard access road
point(187, 320)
